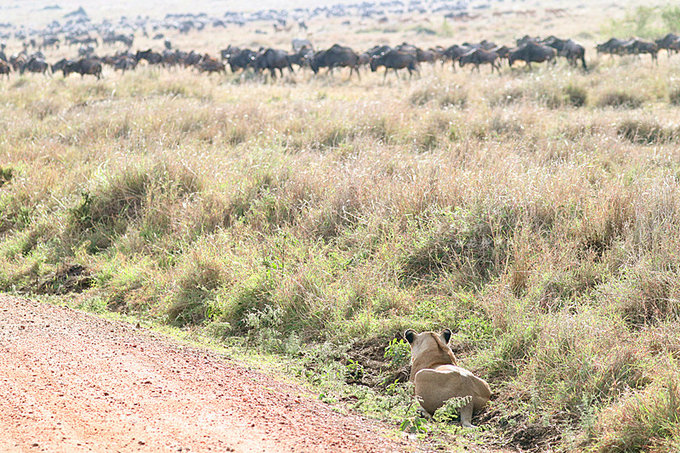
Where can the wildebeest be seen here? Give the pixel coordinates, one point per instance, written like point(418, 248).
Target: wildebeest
point(17, 61)
point(454, 53)
point(50, 41)
point(638, 46)
point(481, 56)
point(149, 55)
point(272, 59)
point(124, 63)
point(526, 39)
point(335, 57)
point(670, 42)
point(5, 68)
point(299, 44)
point(532, 52)
point(84, 66)
point(210, 64)
point(395, 60)
point(567, 48)
point(301, 57)
point(83, 40)
point(59, 65)
point(437, 377)
point(35, 64)
point(238, 58)
point(113, 38)
point(502, 51)
point(613, 46)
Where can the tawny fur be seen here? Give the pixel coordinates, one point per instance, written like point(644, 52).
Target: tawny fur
point(437, 377)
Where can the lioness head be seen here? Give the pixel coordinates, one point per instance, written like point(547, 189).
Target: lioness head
point(429, 349)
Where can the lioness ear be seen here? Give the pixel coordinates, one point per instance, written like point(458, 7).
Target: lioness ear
point(446, 336)
point(410, 335)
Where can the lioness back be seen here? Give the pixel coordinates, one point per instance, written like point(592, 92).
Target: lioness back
point(434, 386)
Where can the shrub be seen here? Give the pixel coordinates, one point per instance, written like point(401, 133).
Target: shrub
point(644, 132)
point(674, 96)
point(576, 95)
point(200, 275)
point(444, 96)
point(647, 420)
point(620, 99)
point(105, 211)
point(644, 296)
point(506, 97)
point(6, 174)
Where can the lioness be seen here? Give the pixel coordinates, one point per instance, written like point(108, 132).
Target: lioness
point(438, 378)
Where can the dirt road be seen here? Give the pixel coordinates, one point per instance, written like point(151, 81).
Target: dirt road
point(70, 381)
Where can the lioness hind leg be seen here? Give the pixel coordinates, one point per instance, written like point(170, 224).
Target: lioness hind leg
point(466, 415)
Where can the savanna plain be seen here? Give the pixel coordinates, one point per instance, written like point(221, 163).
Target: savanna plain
point(312, 219)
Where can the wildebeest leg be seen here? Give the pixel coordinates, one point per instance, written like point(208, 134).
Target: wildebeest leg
point(385, 76)
point(356, 69)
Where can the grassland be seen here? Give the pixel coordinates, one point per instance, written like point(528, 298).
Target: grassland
point(537, 214)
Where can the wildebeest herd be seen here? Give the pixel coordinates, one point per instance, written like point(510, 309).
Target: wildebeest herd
point(303, 55)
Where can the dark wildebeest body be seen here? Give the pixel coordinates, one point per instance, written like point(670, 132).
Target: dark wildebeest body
point(335, 57)
point(150, 56)
point(569, 49)
point(426, 56)
point(210, 64)
point(613, 46)
point(502, 51)
point(59, 65)
point(526, 39)
point(124, 63)
point(5, 68)
point(50, 41)
point(395, 60)
point(532, 52)
point(484, 44)
point(378, 50)
point(480, 56)
point(639, 46)
point(37, 65)
point(454, 53)
point(17, 61)
point(84, 66)
point(238, 58)
point(272, 59)
point(301, 57)
point(670, 42)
